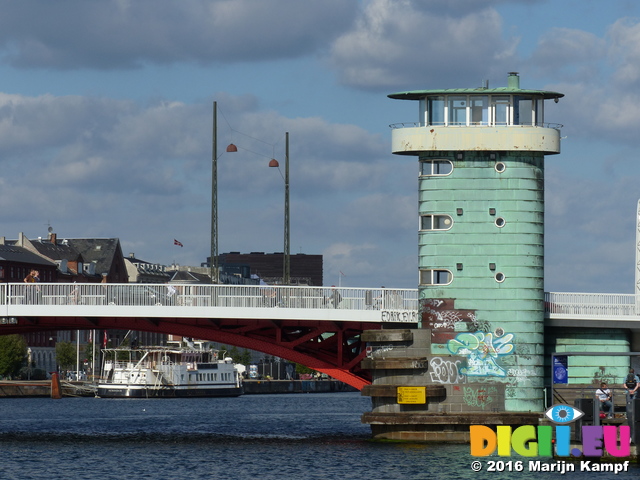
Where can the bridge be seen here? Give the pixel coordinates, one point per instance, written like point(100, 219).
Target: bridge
point(318, 327)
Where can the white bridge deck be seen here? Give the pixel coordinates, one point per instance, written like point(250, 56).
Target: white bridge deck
point(208, 301)
point(278, 302)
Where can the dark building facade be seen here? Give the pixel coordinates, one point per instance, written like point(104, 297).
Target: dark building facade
point(305, 269)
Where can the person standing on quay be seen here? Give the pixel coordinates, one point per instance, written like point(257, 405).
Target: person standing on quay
point(604, 396)
point(631, 384)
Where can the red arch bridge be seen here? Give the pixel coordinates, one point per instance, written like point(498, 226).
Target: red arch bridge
point(318, 327)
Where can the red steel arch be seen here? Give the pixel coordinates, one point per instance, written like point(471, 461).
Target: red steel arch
point(329, 347)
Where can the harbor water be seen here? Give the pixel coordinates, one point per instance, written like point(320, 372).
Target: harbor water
point(286, 436)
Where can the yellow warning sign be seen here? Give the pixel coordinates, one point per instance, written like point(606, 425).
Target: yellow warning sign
point(413, 395)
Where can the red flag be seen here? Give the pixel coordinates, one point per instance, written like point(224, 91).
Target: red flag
point(176, 242)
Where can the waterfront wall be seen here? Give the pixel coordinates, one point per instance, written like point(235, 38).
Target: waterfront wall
point(252, 387)
point(25, 389)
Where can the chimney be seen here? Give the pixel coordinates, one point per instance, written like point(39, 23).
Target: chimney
point(53, 237)
point(513, 80)
point(20, 242)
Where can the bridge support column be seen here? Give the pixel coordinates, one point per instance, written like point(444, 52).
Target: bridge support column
point(420, 396)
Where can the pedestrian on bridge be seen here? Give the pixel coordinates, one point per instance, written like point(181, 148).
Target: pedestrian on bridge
point(335, 297)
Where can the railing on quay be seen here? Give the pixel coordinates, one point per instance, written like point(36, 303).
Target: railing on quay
point(591, 304)
point(230, 296)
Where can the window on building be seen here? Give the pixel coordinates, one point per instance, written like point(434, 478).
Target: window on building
point(539, 112)
point(523, 110)
point(435, 110)
point(479, 110)
point(435, 222)
point(457, 110)
point(435, 167)
point(501, 109)
point(435, 277)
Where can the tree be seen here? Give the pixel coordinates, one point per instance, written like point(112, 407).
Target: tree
point(301, 369)
point(65, 355)
point(13, 354)
point(245, 357)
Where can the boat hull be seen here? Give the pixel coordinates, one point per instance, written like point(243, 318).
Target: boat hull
point(141, 391)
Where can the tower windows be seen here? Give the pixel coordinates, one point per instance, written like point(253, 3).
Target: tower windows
point(458, 110)
point(500, 222)
point(435, 110)
point(501, 109)
point(474, 109)
point(435, 167)
point(435, 222)
point(435, 277)
point(500, 167)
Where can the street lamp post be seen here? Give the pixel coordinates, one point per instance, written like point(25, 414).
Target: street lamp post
point(286, 267)
point(214, 263)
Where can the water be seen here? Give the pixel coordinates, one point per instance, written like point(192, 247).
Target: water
point(296, 436)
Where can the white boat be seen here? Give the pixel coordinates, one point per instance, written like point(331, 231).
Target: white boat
point(168, 372)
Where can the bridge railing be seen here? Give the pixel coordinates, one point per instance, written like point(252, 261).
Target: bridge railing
point(276, 296)
point(591, 304)
point(240, 296)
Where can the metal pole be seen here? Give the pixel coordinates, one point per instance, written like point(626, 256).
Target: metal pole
point(214, 197)
point(77, 355)
point(286, 277)
point(93, 356)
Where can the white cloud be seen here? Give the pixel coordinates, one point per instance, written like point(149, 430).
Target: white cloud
point(569, 53)
point(406, 43)
point(624, 51)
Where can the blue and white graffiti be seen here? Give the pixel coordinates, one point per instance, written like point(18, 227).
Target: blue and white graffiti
point(482, 351)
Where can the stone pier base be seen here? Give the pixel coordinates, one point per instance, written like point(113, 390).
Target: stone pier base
point(419, 396)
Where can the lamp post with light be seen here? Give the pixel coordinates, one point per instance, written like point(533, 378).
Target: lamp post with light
point(286, 267)
point(214, 264)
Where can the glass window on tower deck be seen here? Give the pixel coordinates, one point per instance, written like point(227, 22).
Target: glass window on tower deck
point(464, 110)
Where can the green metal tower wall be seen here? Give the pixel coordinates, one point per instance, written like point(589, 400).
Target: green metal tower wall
point(507, 314)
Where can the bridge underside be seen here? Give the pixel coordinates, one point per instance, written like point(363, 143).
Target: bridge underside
point(333, 348)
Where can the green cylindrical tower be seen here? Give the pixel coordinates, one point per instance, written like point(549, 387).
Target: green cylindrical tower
point(481, 232)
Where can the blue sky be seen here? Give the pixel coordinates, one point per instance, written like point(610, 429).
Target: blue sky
point(105, 124)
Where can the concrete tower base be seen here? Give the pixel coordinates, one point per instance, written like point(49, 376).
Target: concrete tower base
point(417, 396)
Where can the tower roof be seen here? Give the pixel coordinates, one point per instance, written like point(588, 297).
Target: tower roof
point(512, 88)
